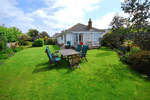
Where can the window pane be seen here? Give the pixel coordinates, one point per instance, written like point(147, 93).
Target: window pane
point(80, 37)
point(76, 36)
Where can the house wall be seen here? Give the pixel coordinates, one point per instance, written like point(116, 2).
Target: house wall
point(59, 40)
point(92, 37)
point(70, 37)
point(95, 38)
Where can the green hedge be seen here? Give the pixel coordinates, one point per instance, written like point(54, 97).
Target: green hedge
point(38, 43)
point(140, 62)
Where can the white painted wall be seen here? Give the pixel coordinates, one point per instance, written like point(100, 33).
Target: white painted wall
point(95, 38)
point(70, 36)
point(59, 40)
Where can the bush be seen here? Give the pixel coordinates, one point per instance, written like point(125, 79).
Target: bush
point(2, 45)
point(126, 45)
point(119, 52)
point(18, 49)
point(105, 39)
point(7, 50)
point(112, 39)
point(4, 56)
point(50, 41)
point(21, 47)
point(61, 44)
point(115, 49)
point(6, 53)
point(21, 42)
point(38, 43)
point(125, 57)
point(28, 43)
point(9, 34)
point(135, 50)
point(140, 62)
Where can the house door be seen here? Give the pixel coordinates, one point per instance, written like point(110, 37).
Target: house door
point(86, 39)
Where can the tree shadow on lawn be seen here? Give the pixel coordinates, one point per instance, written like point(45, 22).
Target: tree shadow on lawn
point(55, 47)
point(105, 49)
point(103, 54)
point(63, 65)
point(120, 72)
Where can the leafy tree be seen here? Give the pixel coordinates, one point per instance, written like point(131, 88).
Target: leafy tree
point(138, 10)
point(117, 21)
point(43, 34)
point(24, 37)
point(9, 34)
point(33, 32)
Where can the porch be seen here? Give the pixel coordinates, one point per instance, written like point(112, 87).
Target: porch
point(90, 39)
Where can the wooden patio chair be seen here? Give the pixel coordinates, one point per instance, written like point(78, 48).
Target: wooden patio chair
point(75, 60)
point(79, 48)
point(51, 59)
point(84, 51)
point(54, 55)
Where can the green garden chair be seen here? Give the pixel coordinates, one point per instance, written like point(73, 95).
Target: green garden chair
point(84, 51)
point(79, 48)
point(52, 59)
point(69, 43)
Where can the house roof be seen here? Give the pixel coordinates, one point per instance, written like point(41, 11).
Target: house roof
point(82, 27)
point(56, 35)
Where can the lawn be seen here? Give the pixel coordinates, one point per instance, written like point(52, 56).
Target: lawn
point(103, 77)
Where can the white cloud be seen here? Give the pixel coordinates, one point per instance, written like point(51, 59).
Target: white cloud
point(104, 22)
point(13, 2)
point(69, 13)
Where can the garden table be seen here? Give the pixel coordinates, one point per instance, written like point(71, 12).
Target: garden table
point(68, 53)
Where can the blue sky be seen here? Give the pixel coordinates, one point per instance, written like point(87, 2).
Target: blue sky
point(53, 16)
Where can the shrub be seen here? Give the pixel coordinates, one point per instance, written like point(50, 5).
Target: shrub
point(2, 45)
point(126, 45)
point(21, 47)
point(125, 57)
point(38, 43)
point(50, 41)
point(112, 39)
point(140, 62)
point(7, 50)
point(6, 53)
point(61, 44)
point(24, 37)
point(135, 50)
point(119, 52)
point(21, 42)
point(4, 56)
point(28, 43)
point(9, 34)
point(16, 49)
point(115, 49)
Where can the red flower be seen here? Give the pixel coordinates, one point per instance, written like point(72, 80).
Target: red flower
point(81, 43)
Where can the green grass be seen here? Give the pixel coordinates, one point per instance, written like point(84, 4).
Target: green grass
point(103, 77)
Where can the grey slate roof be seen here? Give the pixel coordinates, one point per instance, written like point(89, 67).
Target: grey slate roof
point(82, 27)
point(56, 35)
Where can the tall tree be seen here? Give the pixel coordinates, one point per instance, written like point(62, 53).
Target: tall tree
point(138, 10)
point(33, 32)
point(117, 21)
point(43, 34)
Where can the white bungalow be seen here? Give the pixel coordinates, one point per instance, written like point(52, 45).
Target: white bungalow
point(82, 33)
